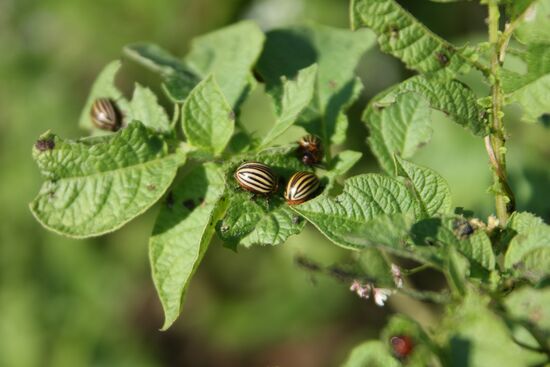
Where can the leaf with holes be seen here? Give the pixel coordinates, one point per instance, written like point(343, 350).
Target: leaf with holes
point(403, 36)
point(182, 233)
point(96, 185)
point(528, 254)
point(261, 220)
point(294, 97)
point(337, 52)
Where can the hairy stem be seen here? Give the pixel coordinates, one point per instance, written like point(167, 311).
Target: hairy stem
point(496, 141)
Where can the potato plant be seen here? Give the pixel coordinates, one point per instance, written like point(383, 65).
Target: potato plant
point(496, 301)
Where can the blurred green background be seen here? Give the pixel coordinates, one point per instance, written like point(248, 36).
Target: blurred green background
point(92, 303)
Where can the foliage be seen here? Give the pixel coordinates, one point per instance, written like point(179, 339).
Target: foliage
point(95, 185)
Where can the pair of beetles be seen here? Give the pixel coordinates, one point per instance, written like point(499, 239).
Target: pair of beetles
point(258, 178)
point(255, 177)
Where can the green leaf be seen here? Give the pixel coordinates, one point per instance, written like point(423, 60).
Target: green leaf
point(529, 253)
point(535, 27)
point(523, 222)
point(371, 354)
point(399, 129)
point(207, 119)
point(337, 52)
point(229, 54)
point(103, 87)
point(403, 36)
point(145, 108)
point(478, 337)
point(261, 220)
point(530, 306)
point(182, 233)
point(178, 79)
point(532, 89)
point(364, 198)
point(295, 96)
point(96, 185)
point(431, 190)
point(343, 162)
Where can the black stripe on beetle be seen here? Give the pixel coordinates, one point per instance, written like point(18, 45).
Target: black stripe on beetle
point(256, 178)
point(310, 151)
point(301, 187)
point(105, 114)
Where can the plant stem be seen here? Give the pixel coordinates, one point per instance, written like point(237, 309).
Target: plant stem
point(495, 142)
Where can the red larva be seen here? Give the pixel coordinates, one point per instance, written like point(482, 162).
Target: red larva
point(402, 345)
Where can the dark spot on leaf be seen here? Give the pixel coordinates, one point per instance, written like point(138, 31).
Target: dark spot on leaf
point(201, 201)
point(332, 84)
point(296, 219)
point(442, 58)
point(189, 204)
point(51, 195)
point(421, 145)
point(44, 144)
point(394, 31)
point(545, 119)
point(340, 274)
point(258, 76)
point(151, 187)
point(231, 115)
point(462, 228)
point(170, 200)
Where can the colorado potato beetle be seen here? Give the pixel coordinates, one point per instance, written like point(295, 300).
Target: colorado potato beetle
point(256, 178)
point(309, 150)
point(402, 346)
point(106, 115)
point(301, 187)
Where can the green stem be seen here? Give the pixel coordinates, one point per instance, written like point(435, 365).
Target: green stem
point(496, 141)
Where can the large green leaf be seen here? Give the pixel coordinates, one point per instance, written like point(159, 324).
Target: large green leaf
point(535, 27)
point(372, 353)
point(529, 253)
point(477, 337)
point(96, 185)
point(403, 36)
point(344, 218)
point(145, 108)
point(530, 306)
point(103, 87)
point(431, 190)
point(207, 119)
point(261, 220)
point(182, 233)
point(294, 97)
point(229, 54)
point(532, 89)
point(399, 129)
point(337, 52)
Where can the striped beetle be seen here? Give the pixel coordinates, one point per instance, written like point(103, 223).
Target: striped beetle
point(301, 187)
point(256, 178)
point(309, 150)
point(105, 114)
